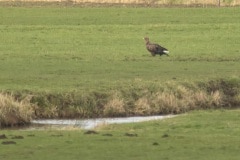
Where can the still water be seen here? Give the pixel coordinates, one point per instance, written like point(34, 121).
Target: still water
point(92, 123)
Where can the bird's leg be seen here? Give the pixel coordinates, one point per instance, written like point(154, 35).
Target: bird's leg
point(153, 54)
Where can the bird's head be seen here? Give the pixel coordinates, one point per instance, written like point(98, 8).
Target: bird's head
point(146, 39)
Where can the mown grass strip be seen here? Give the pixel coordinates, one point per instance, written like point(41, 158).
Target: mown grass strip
point(196, 135)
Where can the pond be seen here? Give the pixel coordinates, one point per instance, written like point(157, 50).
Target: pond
point(92, 123)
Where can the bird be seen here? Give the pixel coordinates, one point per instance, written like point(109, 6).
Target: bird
point(155, 49)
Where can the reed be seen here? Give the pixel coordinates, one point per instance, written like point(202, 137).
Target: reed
point(13, 112)
point(137, 100)
point(115, 107)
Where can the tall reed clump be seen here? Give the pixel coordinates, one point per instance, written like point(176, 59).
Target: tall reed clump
point(173, 98)
point(69, 105)
point(183, 99)
point(13, 112)
point(176, 98)
point(115, 106)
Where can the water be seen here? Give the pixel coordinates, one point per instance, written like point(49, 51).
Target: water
point(92, 123)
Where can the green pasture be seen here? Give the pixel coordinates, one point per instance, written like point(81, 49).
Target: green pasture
point(64, 49)
point(84, 61)
point(196, 135)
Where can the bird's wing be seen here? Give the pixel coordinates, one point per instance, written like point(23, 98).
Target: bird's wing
point(160, 48)
point(152, 47)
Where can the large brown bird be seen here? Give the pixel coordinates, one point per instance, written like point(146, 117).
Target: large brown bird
point(155, 48)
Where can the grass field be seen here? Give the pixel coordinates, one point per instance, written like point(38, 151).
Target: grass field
point(92, 61)
point(64, 49)
point(75, 62)
point(197, 135)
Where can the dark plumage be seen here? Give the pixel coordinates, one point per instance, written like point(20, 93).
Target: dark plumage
point(155, 48)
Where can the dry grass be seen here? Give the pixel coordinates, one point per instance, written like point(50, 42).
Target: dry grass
point(143, 106)
point(137, 100)
point(177, 99)
point(146, 2)
point(115, 106)
point(13, 112)
point(172, 100)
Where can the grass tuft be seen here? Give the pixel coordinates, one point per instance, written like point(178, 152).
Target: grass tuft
point(13, 112)
point(143, 106)
point(114, 107)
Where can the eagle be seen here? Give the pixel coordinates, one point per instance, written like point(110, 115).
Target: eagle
point(155, 48)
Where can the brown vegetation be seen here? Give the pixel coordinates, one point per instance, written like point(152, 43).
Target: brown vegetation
point(200, 3)
point(138, 100)
point(13, 112)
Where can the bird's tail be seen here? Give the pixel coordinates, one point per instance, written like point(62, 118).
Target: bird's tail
point(166, 51)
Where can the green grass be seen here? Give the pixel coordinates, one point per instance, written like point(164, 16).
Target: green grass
point(59, 49)
point(196, 135)
point(51, 49)
point(78, 61)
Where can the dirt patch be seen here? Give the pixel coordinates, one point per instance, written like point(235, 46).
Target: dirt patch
point(57, 135)
point(131, 134)
point(3, 136)
point(155, 144)
point(90, 132)
point(17, 137)
point(8, 142)
point(108, 135)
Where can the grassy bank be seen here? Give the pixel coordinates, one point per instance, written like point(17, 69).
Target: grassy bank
point(195, 135)
point(13, 112)
point(139, 99)
point(90, 61)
